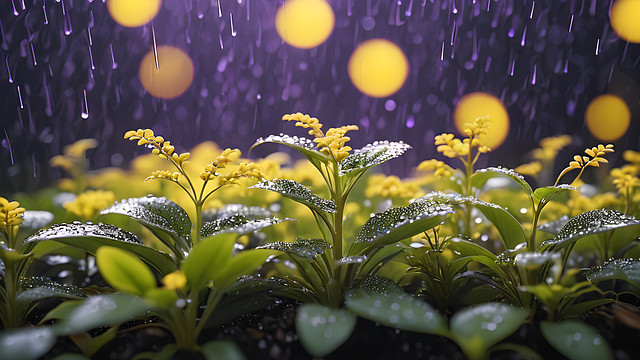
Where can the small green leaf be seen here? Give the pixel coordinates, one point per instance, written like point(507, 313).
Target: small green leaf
point(519, 179)
point(244, 263)
point(26, 343)
point(164, 218)
point(221, 350)
point(399, 223)
point(238, 224)
point(210, 253)
point(307, 248)
point(553, 227)
point(372, 155)
point(384, 302)
point(576, 340)
point(306, 147)
point(124, 271)
point(299, 193)
point(509, 228)
point(618, 269)
point(589, 223)
point(552, 191)
point(356, 259)
point(89, 237)
point(38, 288)
point(469, 248)
point(478, 328)
point(251, 212)
point(322, 329)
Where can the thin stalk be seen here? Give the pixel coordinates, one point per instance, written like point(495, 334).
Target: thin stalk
point(214, 298)
point(628, 206)
point(11, 287)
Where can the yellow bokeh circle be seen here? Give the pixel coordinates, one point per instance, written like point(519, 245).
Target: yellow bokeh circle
point(174, 76)
point(607, 117)
point(477, 104)
point(305, 24)
point(625, 19)
point(378, 68)
point(133, 13)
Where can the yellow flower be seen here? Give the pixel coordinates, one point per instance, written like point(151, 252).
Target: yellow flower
point(250, 170)
point(333, 143)
point(305, 121)
point(533, 168)
point(480, 126)
point(391, 186)
point(625, 177)
point(594, 158)
point(163, 174)
point(220, 162)
point(88, 205)
point(176, 280)
point(11, 214)
point(79, 147)
point(438, 167)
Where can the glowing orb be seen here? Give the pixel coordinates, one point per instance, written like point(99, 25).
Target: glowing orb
point(173, 78)
point(378, 68)
point(607, 117)
point(625, 15)
point(477, 104)
point(133, 13)
point(305, 24)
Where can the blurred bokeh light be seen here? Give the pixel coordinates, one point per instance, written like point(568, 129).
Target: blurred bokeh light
point(607, 117)
point(625, 19)
point(477, 104)
point(133, 13)
point(171, 78)
point(378, 68)
point(305, 24)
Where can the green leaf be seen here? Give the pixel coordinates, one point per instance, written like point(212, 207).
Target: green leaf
point(356, 259)
point(469, 248)
point(124, 271)
point(399, 223)
point(372, 155)
point(551, 191)
point(210, 253)
point(519, 179)
point(164, 218)
point(381, 256)
point(478, 328)
point(298, 193)
point(38, 288)
point(589, 223)
point(618, 269)
point(576, 340)
point(384, 302)
point(26, 343)
point(221, 350)
point(480, 178)
point(238, 224)
point(102, 310)
point(554, 226)
point(244, 263)
point(251, 212)
point(306, 248)
point(306, 147)
point(321, 329)
point(89, 237)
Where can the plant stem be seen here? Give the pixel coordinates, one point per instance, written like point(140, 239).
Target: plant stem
point(11, 284)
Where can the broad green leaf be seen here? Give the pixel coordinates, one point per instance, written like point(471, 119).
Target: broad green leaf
point(468, 248)
point(102, 310)
point(478, 328)
point(238, 224)
point(26, 343)
point(164, 218)
point(381, 256)
point(618, 269)
point(61, 311)
point(251, 212)
point(306, 248)
point(519, 179)
point(554, 227)
point(89, 237)
point(124, 271)
point(576, 340)
point(306, 147)
point(89, 345)
point(209, 254)
point(588, 223)
point(321, 329)
point(480, 178)
point(552, 191)
point(38, 288)
point(221, 350)
point(298, 193)
point(356, 259)
point(372, 155)
point(384, 302)
point(399, 223)
point(245, 262)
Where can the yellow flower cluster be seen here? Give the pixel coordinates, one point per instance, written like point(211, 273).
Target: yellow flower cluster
point(594, 158)
point(73, 154)
point(480, 126)
point(250, 170)
point(220, 162)
point(550, 146)
point(333, 144)
point(306, 121)
point(392, 186)
point(533, 168)
point(452, 147)
point(625, 177)
point(88, 205)
point(164, 174)
point(438, 167)
point(161, 147)
point(176, 280)
point(11, 214)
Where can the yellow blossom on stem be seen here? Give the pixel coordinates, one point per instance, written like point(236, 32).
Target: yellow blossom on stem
point(391, 186)
point(88, 205)
point(176, 280)
point(438, 167)
point(594, 158)
point(306, 121)
point(11, 217)
point(333, 143)
point(550, 146)
point(533, 168)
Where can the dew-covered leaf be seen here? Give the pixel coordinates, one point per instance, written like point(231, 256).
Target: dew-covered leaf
point(554, 226)
point(38, 288)
point(251, 212)
point(551, 191)
point(589, 223)
point(478, 328)
point(239, 224)
point(306, 147)
point(469, 248)
point(576, 340)
point(372, 155)
point(297, 192)
point(37, 219)
point(306, 248)
point(356, 259)
point(89, 237)
point(618, 269)
point(321, 329)
point(26, 343)
point(399, 223)
point(164, 218)
point(382, 301)
point(519, 179)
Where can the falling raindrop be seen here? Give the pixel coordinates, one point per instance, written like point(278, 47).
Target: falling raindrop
point(44, 13)
point(524, 36)
point(6, 61)
point(20, 97)
point(571, 24)
point(219, 9)
point(535, 75)
point(8, 142)
point(85, 107)
point(114, 64)
point(155, 47)
point(532, 8)
point(233, 32)
point(597, 47)
point(15, 11)
point(68, 29)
